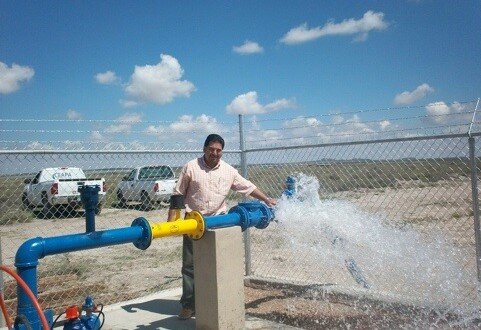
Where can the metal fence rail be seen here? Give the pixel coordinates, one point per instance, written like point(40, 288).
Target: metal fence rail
point(396, 216)
point(106, 273)
point(393, 217)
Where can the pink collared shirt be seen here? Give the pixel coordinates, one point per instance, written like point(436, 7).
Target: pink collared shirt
point(205, 189)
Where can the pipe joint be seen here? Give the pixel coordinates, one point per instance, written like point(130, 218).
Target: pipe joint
point(143, 242)
point(29, 252)
point(253, 214)
point(89, 196)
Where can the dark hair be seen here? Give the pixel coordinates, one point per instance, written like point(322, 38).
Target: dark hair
point(214, 138)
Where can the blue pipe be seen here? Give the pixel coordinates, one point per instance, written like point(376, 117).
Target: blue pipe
point(139, 233)
point(90, 200)
point(26, 259)
point(245, 215)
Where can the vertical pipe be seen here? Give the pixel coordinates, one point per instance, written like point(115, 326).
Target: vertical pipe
point(24, 304)
point(90, 200)
point(247, 237)
point(90, 220)
point(474, 192)
point(28, 254)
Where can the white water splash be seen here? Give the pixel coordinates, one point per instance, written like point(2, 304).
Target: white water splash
point(376, 256)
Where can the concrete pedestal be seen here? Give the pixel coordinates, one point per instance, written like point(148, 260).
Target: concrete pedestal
point(219, 280)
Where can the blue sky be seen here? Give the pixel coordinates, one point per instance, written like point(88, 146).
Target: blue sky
point(173, 66)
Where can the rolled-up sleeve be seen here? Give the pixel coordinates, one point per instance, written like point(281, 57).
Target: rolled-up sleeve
point(242, 185)
point(183, 182)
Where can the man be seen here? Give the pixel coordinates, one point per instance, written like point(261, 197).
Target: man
point(205, 183)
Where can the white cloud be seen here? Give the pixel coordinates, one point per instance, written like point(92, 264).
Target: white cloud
point(136, 145)
point(119, 128)
point(302, 130)
point(115, 146)
point(440, 111)
point(384, 124)
point(337, 119)
point(271, 134)
point(128, 103)
point(35, 145)
point(132, 118)
point(247, 104)
point(249, 47)
point(202, 123)
point(361, 28)
point(302, 121)
point(458, 107)
point(154, 130)
point(96, 136)
point(280, 104)
point(107, 78)
point(411, 97)
point(73, 114)
point(73, 145)
point(159, 83)
point(302, 126)
point(125, 123)
point(10, 78)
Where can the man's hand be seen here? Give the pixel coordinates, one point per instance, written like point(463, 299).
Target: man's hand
point(271, 202)
point(257, 193)
point(172, 215)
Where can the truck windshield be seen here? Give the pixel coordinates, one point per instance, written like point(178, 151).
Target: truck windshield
point(156, 173)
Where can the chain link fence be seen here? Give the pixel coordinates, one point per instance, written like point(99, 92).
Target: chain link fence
point(391, 217)
point(110, 274)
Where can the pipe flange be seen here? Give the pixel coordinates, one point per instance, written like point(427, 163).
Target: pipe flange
point(242, 210)
point(197, 216)
point(144, 242)
point(267, 216)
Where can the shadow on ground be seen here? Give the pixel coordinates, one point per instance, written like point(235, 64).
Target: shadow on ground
point(161, 306)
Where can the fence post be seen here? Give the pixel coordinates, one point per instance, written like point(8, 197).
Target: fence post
point(2, 322)
point(474, 193)
point(243, 165)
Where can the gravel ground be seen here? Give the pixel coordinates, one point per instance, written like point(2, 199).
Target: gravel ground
point(122, 272)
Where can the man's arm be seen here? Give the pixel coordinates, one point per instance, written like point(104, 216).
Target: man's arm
point(245, 186)
point(172, 215)
point(257, 193)
point(180, 189)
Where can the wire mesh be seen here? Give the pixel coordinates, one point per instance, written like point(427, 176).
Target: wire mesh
point(394, 218)
point(110, 274)
point(385, 205)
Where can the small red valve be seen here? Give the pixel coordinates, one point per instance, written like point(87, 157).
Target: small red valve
point(72, 312)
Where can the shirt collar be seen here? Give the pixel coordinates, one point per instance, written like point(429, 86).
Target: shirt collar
point(204, 164)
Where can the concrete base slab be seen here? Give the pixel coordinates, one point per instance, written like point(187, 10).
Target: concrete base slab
point(159, 311)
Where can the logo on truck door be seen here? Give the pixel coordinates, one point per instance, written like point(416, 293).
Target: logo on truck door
point(62, 175)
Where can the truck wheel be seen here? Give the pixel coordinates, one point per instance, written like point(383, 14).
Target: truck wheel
point(121, 199)
point(47, 208)
point(98, 209)
point(165, 203)
point(25, 201)
point(146, 202)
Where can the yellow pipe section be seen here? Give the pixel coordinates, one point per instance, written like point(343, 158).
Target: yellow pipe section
point(193, 225)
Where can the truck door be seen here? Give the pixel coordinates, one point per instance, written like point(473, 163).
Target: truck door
point(128, 186)
point(35, 190)
point(141, 183)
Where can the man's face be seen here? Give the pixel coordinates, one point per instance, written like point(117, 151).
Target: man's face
point(213, 153)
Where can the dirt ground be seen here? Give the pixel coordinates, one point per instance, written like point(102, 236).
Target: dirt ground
point(122, 272)
point(308, 308)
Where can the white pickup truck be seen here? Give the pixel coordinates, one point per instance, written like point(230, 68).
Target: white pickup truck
point(148, 185)
point(56, 188)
